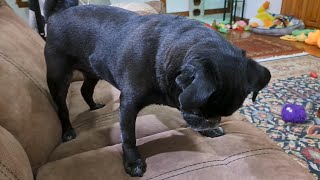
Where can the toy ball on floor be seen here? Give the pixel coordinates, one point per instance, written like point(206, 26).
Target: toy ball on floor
point(293, 113)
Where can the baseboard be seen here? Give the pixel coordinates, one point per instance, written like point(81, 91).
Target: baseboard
point(22, 4)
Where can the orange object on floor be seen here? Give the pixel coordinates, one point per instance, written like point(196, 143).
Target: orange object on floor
point(313, 38)
point(318, 113)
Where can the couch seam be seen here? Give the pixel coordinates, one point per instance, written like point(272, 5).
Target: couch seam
point(109, 145)
point(8, 171)
point(216, 160)
point(222, 164)
point(27, 74)
point(103, 116)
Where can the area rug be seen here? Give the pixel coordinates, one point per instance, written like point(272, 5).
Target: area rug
point(292, 67)
point(266, 49)
point(300, 141)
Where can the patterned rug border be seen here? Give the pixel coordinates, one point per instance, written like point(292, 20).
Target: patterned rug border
point(292, 67)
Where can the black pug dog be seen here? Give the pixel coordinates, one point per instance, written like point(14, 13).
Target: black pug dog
point(153, 59)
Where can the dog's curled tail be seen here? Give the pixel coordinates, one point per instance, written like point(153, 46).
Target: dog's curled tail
point(54, 6)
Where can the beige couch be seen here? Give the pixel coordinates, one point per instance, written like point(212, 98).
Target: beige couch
point(31, 148)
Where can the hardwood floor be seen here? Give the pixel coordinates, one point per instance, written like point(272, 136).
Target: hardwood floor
point(312, 50)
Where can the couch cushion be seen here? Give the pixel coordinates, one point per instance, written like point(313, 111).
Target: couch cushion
point(170, 149)
point(25, 108)
point(100, 128)
point(244, 152)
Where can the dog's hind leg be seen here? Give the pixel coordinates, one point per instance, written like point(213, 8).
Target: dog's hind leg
point(87, 90)
point(59, 73)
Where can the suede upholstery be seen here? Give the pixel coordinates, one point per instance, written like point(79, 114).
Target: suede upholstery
point(14, 162)
point(171, 149)
point(25, 107)
point(184, 154)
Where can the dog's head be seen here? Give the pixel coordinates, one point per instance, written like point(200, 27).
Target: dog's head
point(215, 85)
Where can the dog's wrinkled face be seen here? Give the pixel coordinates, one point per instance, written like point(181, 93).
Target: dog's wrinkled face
point(215, 85)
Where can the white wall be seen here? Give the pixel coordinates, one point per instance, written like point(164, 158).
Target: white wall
point(183, 5)
point(124, 1)
point(22, 12)
point(177, 6)
point(250, 9)
point(214, 4)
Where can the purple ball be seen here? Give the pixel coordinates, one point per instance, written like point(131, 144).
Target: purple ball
point(293, 113)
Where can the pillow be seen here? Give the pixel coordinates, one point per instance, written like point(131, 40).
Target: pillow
point(140, 8)
point(104, 2)
point(127, 1)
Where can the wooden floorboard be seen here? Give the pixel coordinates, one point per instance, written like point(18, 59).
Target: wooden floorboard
point(312, 50)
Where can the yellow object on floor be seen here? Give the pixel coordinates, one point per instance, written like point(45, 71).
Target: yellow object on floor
point(289, 38)
point(302, 37)
point(264, 16)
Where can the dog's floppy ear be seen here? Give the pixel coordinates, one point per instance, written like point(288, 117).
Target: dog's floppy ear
point(258, 77)
point(197, 86)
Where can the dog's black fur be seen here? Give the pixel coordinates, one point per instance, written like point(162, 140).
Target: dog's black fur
point(153, 59)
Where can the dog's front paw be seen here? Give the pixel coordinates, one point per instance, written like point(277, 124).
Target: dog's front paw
point(69, 135)
point(213, 132)
point(97, 106)
point(136, 168)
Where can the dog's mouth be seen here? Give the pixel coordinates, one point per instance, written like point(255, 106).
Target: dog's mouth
point(199, 123)
point(208, 124)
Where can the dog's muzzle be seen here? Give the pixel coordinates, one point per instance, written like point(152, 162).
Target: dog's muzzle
point(212, 120)
point(199, 123)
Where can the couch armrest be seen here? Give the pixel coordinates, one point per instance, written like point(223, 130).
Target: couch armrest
point(14, 163)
